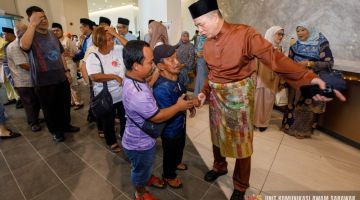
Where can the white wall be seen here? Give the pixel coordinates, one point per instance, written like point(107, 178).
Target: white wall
point(174, 21)
point(186, 19)
point(150, 9)
point(66, 12)
point(129, 12)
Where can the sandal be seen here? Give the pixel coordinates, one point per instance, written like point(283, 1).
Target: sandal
point(115, 148)
point(101, 134)
point(12, 134)
point(174, 183)
point(145, 196)
point(156, 182)
point(182, 167)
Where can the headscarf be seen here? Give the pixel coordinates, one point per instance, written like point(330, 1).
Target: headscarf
point(186, 52)
point(309, 49)
point(158, 34)
point(270, 34)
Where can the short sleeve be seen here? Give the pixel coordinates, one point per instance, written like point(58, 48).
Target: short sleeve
point(163, 97)
point(19, 57)
point(93, 65)
point(144, 104)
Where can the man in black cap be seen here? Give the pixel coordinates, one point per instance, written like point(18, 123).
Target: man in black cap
point(49, 73)
point(70, 50)
point(167, 89)
point(123, 29)
point(230, 51)
point(12, 95)
point(104, 21)
point(86, 28)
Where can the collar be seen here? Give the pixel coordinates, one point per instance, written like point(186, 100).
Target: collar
point(131, 78)
point(226, 27)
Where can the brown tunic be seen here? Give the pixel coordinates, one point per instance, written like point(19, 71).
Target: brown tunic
point(230, 57)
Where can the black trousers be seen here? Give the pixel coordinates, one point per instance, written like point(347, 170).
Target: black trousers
point(31, 104)
point(173, 149)
point(55, 103)
point(107, 123)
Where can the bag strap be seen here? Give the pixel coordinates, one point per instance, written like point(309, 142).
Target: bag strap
point(138, 124)
point(105, 86)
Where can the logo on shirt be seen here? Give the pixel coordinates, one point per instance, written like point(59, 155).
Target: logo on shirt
point(115, 63)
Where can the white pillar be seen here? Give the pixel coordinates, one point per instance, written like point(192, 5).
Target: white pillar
point(166, 11)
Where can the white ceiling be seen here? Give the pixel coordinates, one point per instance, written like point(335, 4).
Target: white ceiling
point(96, 5)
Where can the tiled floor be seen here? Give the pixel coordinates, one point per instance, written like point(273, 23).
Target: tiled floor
point(82, 168)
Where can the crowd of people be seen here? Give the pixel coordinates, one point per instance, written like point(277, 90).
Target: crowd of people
point(238, 73)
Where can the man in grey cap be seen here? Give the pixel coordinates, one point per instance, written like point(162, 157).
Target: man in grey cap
point(230, 51)
point(123, 29)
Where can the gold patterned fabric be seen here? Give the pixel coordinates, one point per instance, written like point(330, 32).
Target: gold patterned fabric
point(231, 117)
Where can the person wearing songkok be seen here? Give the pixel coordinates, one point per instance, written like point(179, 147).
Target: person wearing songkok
point(69, 52)
point(140, 105)
point(12, 95)
point(230, 51)
point(123, 29)
point(167, 89)
point(186, 55)
point(311, 50)
point(104, 21)
point(49, 74)
point(20, 70)
point(86, 28)
point(267, 83)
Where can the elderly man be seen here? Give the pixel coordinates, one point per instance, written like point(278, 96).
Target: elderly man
point(230, 51)
point(20, 69)
point(123, 29)
point(49, 73)
point(12, 95)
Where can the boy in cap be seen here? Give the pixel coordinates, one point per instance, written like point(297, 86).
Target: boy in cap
point(167, 89)
point(230, 51)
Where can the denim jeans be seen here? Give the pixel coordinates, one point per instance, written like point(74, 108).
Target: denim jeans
point(2, 114)
point(141, 165)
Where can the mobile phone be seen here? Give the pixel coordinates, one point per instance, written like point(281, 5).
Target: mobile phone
point(308, 91)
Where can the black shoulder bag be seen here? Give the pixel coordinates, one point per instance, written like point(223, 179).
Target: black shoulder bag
point(152, 129)
point(101, 104)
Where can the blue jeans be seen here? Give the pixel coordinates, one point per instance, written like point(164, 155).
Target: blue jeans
point(201, 74)
point(2, 114)
point(141, 165)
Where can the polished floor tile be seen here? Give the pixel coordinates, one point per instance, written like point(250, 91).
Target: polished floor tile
point(33, 167)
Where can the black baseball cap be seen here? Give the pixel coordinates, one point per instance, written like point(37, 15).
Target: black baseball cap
point(163, 51)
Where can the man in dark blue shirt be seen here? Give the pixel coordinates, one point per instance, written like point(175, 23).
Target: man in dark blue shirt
point(167, 89)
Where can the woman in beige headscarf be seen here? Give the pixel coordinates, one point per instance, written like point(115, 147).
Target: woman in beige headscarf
point(158, 36)
point(267, 83)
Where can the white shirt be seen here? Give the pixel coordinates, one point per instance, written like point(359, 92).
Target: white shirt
point(112, 64)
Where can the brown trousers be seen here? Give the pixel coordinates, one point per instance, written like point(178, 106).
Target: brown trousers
point(242, 169)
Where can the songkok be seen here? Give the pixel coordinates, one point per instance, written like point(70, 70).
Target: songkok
point(56, 25)
point(123, 21)
point(8, 30)
point(202, 7)
point(105, 20)
point(86, 21)
point(163, 51)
